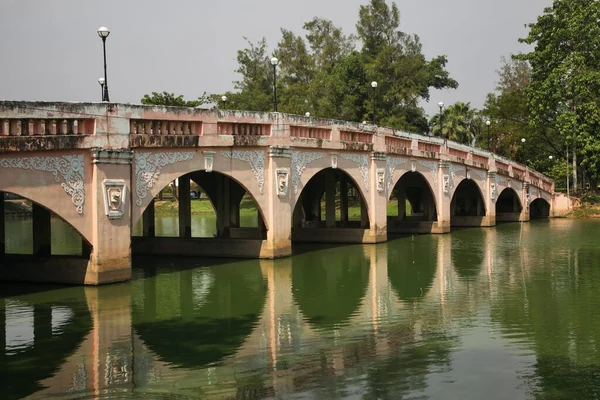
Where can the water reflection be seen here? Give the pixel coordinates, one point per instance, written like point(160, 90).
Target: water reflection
point(471, 314)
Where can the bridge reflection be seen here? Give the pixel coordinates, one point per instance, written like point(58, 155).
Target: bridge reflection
point(377, 315)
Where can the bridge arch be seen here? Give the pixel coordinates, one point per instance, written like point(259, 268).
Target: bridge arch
point(41, 221)
point(539, 208)
point(331, 184)
point(467, 207)
point(224, 194)
point(412, 188)
point(508, 206)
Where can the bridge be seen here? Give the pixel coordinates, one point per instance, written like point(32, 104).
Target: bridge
point(100, 166)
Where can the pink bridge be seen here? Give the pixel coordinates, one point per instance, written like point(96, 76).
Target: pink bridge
point(99, 168)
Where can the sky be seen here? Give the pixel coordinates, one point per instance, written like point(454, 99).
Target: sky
point(49, 49)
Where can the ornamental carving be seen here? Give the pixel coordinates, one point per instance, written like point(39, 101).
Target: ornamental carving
point(391, 163)
point(300, 159)
point(148, 166)
point(481, 176)
point(114, 197)
point(363, 165)
point(380, 173)
point(433, 168)
point(281, 180)
point(67, 168)
point(256, 159)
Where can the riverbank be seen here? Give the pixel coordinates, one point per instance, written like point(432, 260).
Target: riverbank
point(586, 207)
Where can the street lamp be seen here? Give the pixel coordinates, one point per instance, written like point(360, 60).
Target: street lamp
point(488, 123)
point(307, 114)
point(101, 82)
point(374, 86)
point(441, 106)
point(224, 98)
point(274, 63)
point(103, 32)
point(550, 158)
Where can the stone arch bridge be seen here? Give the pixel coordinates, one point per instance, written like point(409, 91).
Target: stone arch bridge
point(99, 167)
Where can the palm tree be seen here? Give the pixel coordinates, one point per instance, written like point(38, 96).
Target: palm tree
point(459, 123)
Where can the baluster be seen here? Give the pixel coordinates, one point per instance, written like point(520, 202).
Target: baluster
point(193, 128)
point(82, 126)
point(37, 127)
point(178, 128)
point(2, 127)
point(71, 128)
point(15, 127)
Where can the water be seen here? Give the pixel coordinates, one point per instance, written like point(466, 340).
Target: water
point(495, 313)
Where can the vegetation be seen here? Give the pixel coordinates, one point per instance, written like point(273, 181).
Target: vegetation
point(547, 96)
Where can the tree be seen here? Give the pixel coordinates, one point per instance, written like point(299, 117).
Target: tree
point(460, 123)
point(170, 99)
point(565, 80)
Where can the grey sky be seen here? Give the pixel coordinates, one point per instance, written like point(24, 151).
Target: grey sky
point(50, 49)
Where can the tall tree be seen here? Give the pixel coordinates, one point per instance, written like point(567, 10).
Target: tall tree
point(565, 80)
point(460, 123)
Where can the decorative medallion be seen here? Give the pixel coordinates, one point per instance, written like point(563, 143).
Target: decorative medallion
point(300, 159)
point(209, 159)
point(363, 165)
point(148, 166)
point(334, 160)
point(380, 179)
point(115, 194)
point(69, 168)
point(390, 165)
point(256, 159)
point(281, 181)
point(446, 183)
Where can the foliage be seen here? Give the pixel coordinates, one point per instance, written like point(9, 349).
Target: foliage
point(325, 74)
point(460, 123)
point(170, 99)
point(565, 79)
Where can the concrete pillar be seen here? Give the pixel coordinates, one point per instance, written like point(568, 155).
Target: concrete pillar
point(185, 210)
point(223, 207)
point(148, 221)
point(443, 200)
point(343, 198)
point(2, 226)
point(377, 199)
point(279, 204)
point(110, 260)
point(42, 323)
point(524, 216)
point(330, 200)
point(41, 231)
point(490, 203)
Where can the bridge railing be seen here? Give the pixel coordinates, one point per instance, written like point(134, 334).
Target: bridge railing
point(100, 121)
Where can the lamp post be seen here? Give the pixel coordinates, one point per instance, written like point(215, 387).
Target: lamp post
point(274, 63)
point(488, 123)
point(374, 86)
point(101, 82)
point(307, 114)
point(103, 32)
point(441, 106)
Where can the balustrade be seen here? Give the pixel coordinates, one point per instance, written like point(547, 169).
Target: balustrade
point(38, 127)
point(309, 132)
point(164, 127)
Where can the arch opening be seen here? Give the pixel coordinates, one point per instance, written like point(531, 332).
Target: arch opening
point(411, 207)
point(467, 207)
point(28, 228)
point(201, 214)
point(539, 208)
point(330, 200)
point(508, 206)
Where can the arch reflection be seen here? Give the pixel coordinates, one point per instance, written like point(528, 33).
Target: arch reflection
point(339, 282)
point(412, 266)
point(194, 317)
point(467, 253)
point(39, 331)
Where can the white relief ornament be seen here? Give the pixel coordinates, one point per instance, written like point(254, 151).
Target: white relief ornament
point(493, 191)
point(413, 166)
point(334, 161)
point(69, 168)
point(114, 197)
point(433, 168)
point(148, 166)
point(391, 163)
point(363, 166)
point(380, 179)
point(300, 159)
point(256, 159)
point(209, 160)
point(281, 181)
point(454, 170)
point(446, 182)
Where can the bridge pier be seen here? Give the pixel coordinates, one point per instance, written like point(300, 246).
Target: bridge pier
point(41, 231)
point(2, 226)
point(148, 221)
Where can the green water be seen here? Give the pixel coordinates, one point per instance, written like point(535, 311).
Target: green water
point(498, 313)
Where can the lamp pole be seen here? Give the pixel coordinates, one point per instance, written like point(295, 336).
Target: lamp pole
point(374, 86)
point(101, 82)
point(274, 63)
point(441, 106)
point(103, 32)
point(488, 123)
